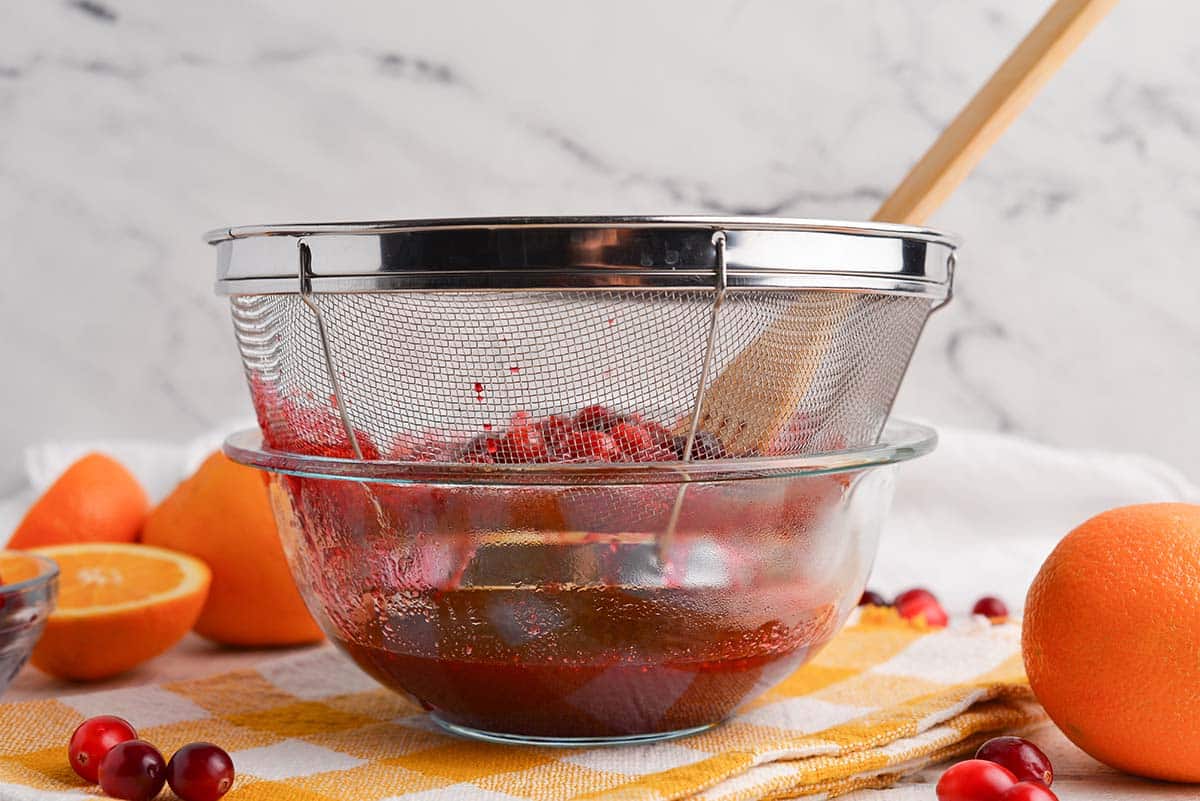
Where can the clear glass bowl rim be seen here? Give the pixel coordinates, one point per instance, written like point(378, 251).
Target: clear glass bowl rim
point(900, 441)
point(48, 572)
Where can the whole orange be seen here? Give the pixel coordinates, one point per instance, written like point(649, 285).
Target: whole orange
point(1112, 639)
point(222, 516)
point(95, 500)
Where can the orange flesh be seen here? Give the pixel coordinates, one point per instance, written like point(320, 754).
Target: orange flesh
point(102, 579)
point(15, 568)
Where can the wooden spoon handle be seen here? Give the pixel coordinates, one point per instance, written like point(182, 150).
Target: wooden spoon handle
point(963, 143)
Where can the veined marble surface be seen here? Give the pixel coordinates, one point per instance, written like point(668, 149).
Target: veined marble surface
point(129, 128)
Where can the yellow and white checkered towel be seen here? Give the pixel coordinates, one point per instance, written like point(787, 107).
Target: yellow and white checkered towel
point(883, 699)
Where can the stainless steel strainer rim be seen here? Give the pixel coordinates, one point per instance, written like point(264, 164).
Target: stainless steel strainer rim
point(900, 441)
point(727, 222)
point(556, 253)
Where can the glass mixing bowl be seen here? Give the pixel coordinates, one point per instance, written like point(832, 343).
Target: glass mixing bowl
point(583, 603)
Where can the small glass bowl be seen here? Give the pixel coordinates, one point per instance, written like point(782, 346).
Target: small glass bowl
point(583, 603)
point(27, 598)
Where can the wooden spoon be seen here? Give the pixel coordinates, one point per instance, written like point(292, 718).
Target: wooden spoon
point(747, 409)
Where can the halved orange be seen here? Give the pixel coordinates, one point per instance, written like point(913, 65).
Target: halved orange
point(17, 567)
point(118, 605)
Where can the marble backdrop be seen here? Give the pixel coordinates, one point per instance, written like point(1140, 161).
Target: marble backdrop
point(127, 128)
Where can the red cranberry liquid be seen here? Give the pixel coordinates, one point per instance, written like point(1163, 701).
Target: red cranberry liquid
point(579, 610)
point(594, 661)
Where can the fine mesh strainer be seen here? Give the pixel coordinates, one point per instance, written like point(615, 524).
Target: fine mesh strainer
point(412, 339)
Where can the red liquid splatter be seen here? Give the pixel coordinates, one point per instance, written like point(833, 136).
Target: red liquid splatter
point(314, 431)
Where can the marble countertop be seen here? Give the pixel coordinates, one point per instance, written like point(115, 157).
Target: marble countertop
point(127, 128)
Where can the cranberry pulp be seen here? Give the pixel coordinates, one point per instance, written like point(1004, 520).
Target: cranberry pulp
point(600, 661)
point(593, 434)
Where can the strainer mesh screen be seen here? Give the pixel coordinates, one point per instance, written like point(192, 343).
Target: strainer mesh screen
point(418, 370)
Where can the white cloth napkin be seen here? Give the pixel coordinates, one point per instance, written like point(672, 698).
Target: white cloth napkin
point(975, 517)
point(980, 514)
point(157, 464)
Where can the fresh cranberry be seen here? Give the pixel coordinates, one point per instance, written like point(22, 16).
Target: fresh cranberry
point(1024, 759)
point(921, 603)
point(916, 593)
point(200, 772)
point(94, 738)
point(663, 448)
point(595, 418)
point(133, 771)
point(595, 446)
point(871, 598)
point(523, 442)
point(1027, 791)
point(990, 606)
point(555, 429)
point(974, 780)
point(483, 448)
point(633, 440)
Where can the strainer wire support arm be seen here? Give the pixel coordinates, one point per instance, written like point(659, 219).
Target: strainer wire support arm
point(951, 266)
point(305, 275)
point(710, 347)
